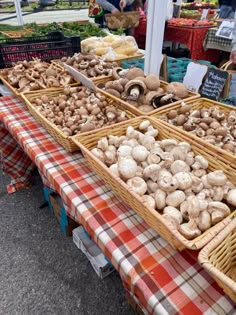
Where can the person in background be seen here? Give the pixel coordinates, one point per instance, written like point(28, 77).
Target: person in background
point(233, 53)
point(227, 9)
point(114, 6)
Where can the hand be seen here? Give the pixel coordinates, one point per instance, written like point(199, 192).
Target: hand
point(233, 56)
point(115, 10)
point(122, 4)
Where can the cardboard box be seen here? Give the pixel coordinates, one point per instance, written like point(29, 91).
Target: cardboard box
point(99, 262)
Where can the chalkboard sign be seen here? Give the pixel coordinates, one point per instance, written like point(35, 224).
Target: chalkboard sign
point(213, 84)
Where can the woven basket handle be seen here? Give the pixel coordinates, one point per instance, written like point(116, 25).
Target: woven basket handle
point(226, 65)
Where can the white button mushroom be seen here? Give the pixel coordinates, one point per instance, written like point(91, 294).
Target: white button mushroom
point(218, 211)
point(102, 144)
point(216, 178)
point(139, 153)
point(151, 132)
point(174, 199)
point(190, 230)
point(184, 180)
point(144, 125)
point(152, 186)
point(150, 201)
point(124, 151)
point(179, 166)
point(200, 162)
point(166, 181)
point(127, 168)
point(148, 141)
point(98, 153)
point(152, 171)
point(174, 214)
point(138, 185)
point(204, 221)
point(168, 144)
point(114, 169)
point(231, 198)
point(160, 198)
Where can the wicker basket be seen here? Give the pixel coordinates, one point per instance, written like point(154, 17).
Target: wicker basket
point(122, 20)
point(16, 91)
point(191, 96)
point(59, 136)
point(195, 16)
point(226, 156)
point(151, 216)
point(219, 259)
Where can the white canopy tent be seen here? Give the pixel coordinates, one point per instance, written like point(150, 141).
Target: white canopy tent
point(18, 12)
point(157, 11)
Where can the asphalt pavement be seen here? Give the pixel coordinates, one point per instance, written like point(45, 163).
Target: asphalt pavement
point(46, 16)
point(42, 272)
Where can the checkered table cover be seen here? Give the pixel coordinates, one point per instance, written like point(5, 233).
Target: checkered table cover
point(161, 280)
point(211, 41)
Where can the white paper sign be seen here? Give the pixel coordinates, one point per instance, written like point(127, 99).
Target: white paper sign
point(204, 14)
point(225, 30)
point(194, 76)
point(78, 76)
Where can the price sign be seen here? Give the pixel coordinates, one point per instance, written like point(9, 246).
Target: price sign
point(80, 77)
point(204, 14)
point(214, 84)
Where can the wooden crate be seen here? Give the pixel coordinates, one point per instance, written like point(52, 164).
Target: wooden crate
point(152, 217)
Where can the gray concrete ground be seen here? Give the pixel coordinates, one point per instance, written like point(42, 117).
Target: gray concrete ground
point(41, 271)
point(46, 16)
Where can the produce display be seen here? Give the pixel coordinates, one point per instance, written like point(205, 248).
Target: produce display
point(90, 65)
point(210, 124)
point(76, 110)
point(190, 22)
point(68, 29)
point(112, 47)
point(195, 14)
point(169, 177)
point(203, 5)
point(83, 30)
point(26, 76)
point(144, 93)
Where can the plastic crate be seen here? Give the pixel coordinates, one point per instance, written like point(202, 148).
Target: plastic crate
point(229, 101)
point(139, 63)
point(53, 46)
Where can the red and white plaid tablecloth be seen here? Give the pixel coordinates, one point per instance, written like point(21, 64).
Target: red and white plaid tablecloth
point(161, 280)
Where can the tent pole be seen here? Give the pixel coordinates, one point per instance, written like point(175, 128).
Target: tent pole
point(18, 12)
point(157, 11)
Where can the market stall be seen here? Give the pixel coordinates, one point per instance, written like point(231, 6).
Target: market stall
point(193, 38)
point(148, 190)
point(212, 41)
point(159, 279)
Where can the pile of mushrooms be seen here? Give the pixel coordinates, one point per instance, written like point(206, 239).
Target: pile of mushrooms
point(210, 124)
point(90, 65)
point(169, 177)
point(36, 75)
point(78, 110)
point(143, 92)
